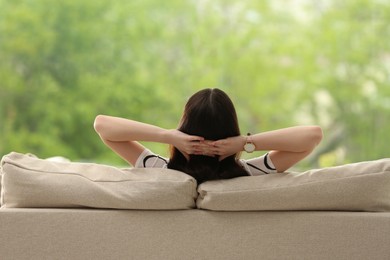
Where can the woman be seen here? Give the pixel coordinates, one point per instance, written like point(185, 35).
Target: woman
point(207, 143)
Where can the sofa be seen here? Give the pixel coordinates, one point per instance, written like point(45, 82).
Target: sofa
point(71, 210)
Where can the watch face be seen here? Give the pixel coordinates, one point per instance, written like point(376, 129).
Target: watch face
point(249, 147)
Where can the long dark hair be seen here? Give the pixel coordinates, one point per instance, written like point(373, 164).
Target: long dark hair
point(211, 114)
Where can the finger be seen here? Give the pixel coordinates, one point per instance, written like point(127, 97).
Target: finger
point(194, 138)
point(203, 145)
point(202, 153)
point(204, 150)
point(201, 149)
point(222, 157)
point(217, 152)
point(208, 142)
point(214, 143)
point(220, 142)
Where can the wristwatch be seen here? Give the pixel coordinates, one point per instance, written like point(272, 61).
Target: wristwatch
point(249, 147)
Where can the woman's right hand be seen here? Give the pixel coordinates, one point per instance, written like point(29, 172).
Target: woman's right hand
point(229, 146)
point(186, 144)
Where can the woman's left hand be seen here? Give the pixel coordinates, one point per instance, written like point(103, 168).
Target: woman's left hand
point(224, 147)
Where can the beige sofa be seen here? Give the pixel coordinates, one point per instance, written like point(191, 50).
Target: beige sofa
point(335, 213)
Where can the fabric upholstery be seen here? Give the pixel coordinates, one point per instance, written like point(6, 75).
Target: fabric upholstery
point(32, 182)
point(363, 186)
point(192, 234)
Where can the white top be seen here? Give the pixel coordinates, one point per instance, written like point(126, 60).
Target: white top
point(256, 166)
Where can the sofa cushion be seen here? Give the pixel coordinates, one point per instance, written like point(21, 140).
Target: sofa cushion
point(28, 182)
point(363, 186)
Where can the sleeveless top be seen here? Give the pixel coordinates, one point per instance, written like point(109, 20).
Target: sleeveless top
point(256, 166)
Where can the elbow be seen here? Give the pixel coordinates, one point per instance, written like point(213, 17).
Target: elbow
point(315, 135)
point(100, 124)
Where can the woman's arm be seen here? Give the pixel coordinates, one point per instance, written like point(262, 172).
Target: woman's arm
point(122, 136)
point(293, 139)
point(288, 145)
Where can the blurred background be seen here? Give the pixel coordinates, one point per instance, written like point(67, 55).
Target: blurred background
point(283, 63)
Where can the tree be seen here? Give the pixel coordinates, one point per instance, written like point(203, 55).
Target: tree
point(323, 62)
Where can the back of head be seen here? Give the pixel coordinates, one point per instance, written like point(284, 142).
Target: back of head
point(209, 113)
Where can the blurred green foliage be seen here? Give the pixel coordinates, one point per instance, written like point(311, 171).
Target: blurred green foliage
point(282, 62)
